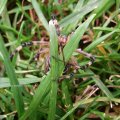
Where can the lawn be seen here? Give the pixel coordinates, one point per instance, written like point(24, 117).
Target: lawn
point(60, 60)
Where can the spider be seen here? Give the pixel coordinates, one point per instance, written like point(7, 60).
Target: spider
point(44, 56)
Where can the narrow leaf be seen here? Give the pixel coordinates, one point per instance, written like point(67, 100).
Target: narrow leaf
point(83, 11)
point(98, 41)
point(42, 89)
point(2, 5)
point(53, 99)
point(75, 39)
point(39, 12)
point(13, 79)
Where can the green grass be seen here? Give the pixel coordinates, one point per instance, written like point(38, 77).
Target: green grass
point(27, 92)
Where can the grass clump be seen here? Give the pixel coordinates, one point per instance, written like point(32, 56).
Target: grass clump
point(35, 90)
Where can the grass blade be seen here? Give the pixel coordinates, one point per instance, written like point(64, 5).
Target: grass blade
point(103, 7)
point(66, 98)
point(38, 11)
point(13, 79)
point(5, 82)
point(6, 21)
point(79, 14)
point(98, 41)
point(53, 100)
point(54, 70)
point(103, 88)
point(53, 50)
point(86, 101)
point(73, 42)
point(2, 5)
point(42, 89)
